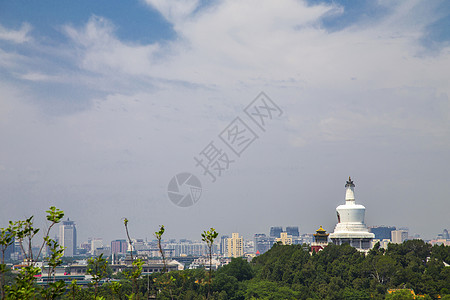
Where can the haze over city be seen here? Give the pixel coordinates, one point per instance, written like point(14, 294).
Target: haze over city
point(101, 104)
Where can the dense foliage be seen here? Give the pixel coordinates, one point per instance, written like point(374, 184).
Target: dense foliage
point(341, 272)
point(337, 272)
point(291, 272)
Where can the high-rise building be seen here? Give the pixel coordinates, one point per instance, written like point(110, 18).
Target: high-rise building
point(293, 231)
point(224, 245)
point(235, 245)
point(382, 232)
point(275, 231)
point(399, 236)
point(350, 228)
point(96, 243)
point(68, 237)
point(119, 246)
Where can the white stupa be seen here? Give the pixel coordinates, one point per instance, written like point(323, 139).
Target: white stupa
point(350, 228)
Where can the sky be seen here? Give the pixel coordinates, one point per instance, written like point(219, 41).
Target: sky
point(102, 103)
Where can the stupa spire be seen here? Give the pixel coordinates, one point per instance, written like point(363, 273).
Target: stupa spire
point(350, 192)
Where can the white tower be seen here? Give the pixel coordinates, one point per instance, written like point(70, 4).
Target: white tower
point(350, 228)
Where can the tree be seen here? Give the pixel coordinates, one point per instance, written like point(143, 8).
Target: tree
point(97, 268)
point(115, 288)
point(23, 287)
point(383, 268)
point(125, 223)
point(239, 268)
point(403, 294)
point(208, 237)
point(136, 265)
point(6, 239)
point(74, 289)
point(158, 235)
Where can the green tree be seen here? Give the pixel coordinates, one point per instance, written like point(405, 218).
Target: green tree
point(383, 268)
point(54, 259)
point(97, 268)
point(208, 237)
point(6, 239)
point(136, 266)
point(239, 268)
point(269, 290)
point(115, 288)
point(403, 294)
point(23, 286)
point(74, 289)
point(158, 235)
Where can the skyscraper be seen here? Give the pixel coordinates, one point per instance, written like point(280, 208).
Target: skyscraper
point(68, 237)
point(224, 245)
point(293, 230)
point(275, 231)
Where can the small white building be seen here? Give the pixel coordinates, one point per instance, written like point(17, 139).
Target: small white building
point(350, 228)
point(203, 262)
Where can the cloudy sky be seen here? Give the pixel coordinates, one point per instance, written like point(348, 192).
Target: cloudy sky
point(103, 102)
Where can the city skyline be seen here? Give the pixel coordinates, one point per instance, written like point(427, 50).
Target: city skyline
point(103, 104)
point(265, 232)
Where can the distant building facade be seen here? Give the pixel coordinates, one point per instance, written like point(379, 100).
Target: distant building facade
point(382, 232)
point(96, 243)
point(188, 248)
point(399, 236)
point(293, 231)
point(284, 239)
point(235, 245)
point(275, 231)
point(263, 243)
point(224, 245)
point(119, 247)
point(68, 237)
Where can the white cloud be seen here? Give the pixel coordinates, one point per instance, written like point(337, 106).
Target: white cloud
point(36, 76)
point(104, 53)
point(175, 11)
point(265, 42)
point(16, 36)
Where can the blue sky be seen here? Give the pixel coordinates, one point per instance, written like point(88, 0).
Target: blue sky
point(102, 103)
point(134, 21)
